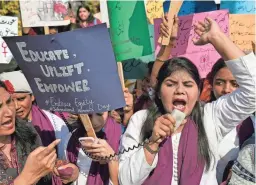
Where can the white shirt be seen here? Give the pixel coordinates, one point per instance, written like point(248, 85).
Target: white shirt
point(175, 147)
point(61, 131)
point(220, 117)
point(83, 163)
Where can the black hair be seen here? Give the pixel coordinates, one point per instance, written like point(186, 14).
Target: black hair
point(215, 69)
point(25, 134)
point(157, 109)
point(90, 19)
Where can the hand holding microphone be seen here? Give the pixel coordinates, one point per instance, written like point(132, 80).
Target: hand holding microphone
point(166, 125)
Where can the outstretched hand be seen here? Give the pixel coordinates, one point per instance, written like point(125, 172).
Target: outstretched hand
point(39, 163)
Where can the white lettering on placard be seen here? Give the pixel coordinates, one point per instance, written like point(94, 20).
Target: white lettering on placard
point(84, 104)
point(23, 52)
point(35, 56)
point(77, 86)
point(59, 103)
point(62, 71)
point(104, 107)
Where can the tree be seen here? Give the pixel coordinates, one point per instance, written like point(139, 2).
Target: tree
point(11, 8)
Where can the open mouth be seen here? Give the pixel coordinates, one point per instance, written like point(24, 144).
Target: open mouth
point(8, 124)
point(19, 113)
point(179, 104)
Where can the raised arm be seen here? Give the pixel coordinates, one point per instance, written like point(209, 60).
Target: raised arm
point(230, 110)
point(165, 51)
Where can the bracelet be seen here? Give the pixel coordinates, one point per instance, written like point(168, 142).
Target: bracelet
point(157, 59)
point(150, 150)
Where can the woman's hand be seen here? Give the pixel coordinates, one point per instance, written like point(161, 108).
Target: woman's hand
point(164, 29)
point(67, 173)
point(164, 127)
point(128, 100)
point(165, 51)
point(100, 148)
point(39, 163)
point(206, 31)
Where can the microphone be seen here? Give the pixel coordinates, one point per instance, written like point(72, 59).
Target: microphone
point(179, 117)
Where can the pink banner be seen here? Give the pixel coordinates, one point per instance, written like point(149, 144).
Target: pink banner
point(202, 56)
point(157, 23)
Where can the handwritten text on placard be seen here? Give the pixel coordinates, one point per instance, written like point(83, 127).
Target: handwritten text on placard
point(239, 6)
point(154, 9)
point(242, 30)
point(8, 28)
point(200, 55)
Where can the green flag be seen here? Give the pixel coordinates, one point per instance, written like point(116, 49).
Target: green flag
point(129, 29)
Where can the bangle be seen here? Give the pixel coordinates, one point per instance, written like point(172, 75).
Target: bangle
point(150, 150)
point(157, 59)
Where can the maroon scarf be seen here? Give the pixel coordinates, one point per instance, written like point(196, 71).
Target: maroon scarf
point(98, 174)
point(43, 125)
point(245, 130)
point(190, 167)
point(46, 132)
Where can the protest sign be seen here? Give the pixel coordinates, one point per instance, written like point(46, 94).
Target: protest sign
point(157, 23)
point(239, 6)
point(8, 28)
point(104, 12)
point(129, 29)
point(43, 13)
point(66, 74)
point(190, 7)
point(200, 55)
point(242, 30)
point(137, 68)
point(154, 9)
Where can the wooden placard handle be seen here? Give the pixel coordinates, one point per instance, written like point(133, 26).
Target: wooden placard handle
point(46, 30)
point(87, 125)
point(173, 10)
point(121, 74)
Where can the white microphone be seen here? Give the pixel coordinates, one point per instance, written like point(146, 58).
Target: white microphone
point(179, 117)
